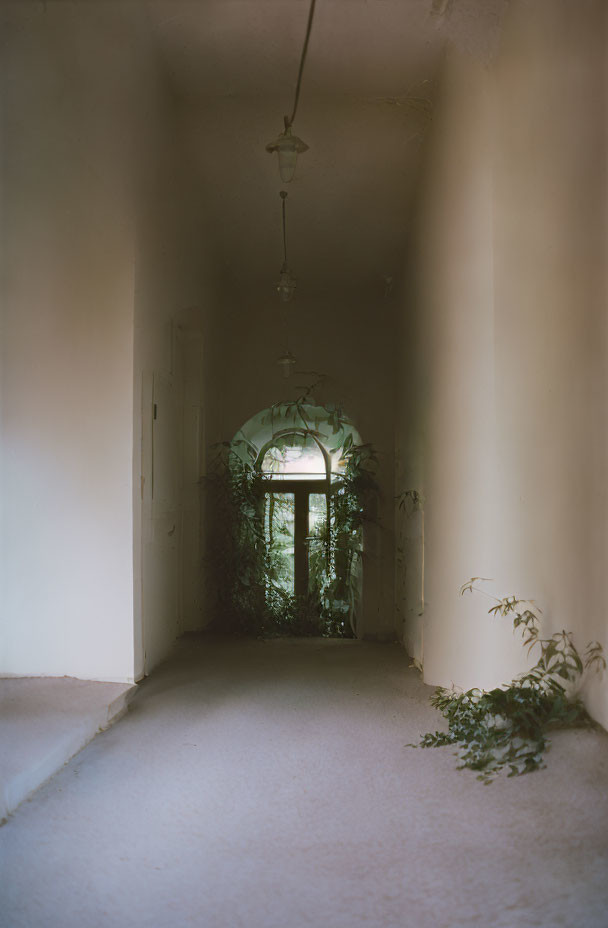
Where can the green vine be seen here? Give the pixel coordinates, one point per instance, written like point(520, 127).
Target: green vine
point(507, 727)
point(250, 569)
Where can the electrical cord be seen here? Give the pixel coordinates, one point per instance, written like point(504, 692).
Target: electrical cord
point(288, 121)
point(283, 195)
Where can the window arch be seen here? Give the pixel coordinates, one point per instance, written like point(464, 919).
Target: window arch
point(295, 455)
point(300, 453)
point(297, 471)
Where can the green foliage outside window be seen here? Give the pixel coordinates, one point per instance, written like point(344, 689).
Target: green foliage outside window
point(249, 558)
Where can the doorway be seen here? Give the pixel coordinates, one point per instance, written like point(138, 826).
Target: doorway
point(297, 469)
point(295, 523)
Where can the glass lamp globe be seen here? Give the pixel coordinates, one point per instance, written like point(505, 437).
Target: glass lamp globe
point(286, 284)
point(286, 362)
point(288, 147)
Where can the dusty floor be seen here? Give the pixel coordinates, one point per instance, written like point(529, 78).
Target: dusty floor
point(267, 785)
point(44, 721)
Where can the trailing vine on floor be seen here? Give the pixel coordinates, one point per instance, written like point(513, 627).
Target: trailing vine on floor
point(507, 727)
point(251, 599)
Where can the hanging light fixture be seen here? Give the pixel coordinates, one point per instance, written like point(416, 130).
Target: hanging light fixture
point(286, 284)
point(287, 145)
point(286, 362)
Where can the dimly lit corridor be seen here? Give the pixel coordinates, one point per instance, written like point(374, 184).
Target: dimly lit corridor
point(265, 784)
point(447, 232)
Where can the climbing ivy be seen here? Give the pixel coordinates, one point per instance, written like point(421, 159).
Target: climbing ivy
point(507, 727)
point(251, 599)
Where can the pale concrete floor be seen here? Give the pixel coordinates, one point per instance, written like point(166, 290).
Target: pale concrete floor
point(267, 785)
point(44, 721)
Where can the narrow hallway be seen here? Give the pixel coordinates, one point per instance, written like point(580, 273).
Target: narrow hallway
point(268, 785)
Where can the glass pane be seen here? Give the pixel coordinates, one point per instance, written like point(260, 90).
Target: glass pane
point(294, 457)
point(317, 538)
point(279, 526)
point(317, 512)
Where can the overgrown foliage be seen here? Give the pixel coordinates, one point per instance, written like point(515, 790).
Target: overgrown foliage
point(507, 727)
point(252, 597)
point(335, 547)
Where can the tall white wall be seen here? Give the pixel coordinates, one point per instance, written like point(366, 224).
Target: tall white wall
point(503, 415)
point(174, 296)
point(446, 430)
point(551, 313)
point(97, 259)
point(67, 347)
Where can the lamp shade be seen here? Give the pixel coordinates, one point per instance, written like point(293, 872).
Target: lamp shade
point(288, 147)
point(286, 284)
point(286, 362)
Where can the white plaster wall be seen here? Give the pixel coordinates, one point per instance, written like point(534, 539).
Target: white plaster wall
point(551, 314)
point(105, 272)
point(67, 347)
point(447, 432)
point(174, 295)
point(503, 421)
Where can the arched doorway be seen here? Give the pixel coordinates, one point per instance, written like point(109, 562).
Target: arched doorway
point(297, 505)
point(299, 474)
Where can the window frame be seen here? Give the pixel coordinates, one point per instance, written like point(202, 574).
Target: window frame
point(301, 490)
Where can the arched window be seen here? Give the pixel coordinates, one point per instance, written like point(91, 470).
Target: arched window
point(307, 516)
point(295, 456)
point(298, 472)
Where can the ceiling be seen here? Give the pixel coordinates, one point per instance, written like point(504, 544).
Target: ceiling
point(366, 103)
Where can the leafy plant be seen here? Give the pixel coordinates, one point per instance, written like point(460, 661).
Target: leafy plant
point(335, 547)
point(507, 727)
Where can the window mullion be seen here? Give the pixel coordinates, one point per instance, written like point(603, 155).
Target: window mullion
point(300, 546)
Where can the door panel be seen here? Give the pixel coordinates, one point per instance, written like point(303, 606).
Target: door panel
point(293, 523)
point(279, 531)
